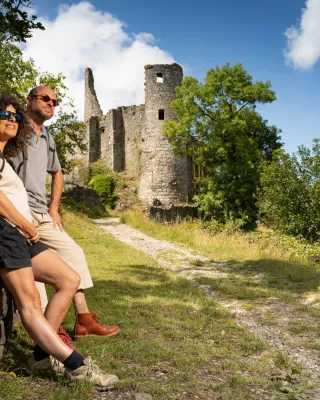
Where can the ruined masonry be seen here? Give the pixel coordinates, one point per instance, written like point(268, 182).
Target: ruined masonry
point(131, 138)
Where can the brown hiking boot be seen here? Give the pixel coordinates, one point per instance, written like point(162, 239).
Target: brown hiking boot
point(88, 324)
point(90, 372)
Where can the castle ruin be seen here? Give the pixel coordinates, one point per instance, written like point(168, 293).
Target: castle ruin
point(131, 138)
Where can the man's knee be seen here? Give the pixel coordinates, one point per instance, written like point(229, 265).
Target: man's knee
point(73, 280)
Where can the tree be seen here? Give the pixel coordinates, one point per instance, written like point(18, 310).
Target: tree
point(15, 23)
point(19, 76)
point(289, 198)
point(218, 125)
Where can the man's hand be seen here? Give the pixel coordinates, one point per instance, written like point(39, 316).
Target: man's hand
point(30, 232)
point(54, 214)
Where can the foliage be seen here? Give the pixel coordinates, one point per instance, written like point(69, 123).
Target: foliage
point(70, 137)
point(289, 198)
point(15, 23)
point(96, 168)
point(105, 186)
point(19, 76)
point(16, 75)
point(218, 125)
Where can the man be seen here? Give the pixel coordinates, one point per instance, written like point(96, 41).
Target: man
point(32, 167)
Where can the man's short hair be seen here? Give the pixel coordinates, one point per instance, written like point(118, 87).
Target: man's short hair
point(33, 91)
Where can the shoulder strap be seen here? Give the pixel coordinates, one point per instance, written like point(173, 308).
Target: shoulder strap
point(50, 146)
point(2, 163)
point(25, 160)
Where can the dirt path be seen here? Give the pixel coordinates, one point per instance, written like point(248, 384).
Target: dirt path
point(192, 266)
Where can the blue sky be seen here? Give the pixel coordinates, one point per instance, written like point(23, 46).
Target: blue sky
point(200, 35)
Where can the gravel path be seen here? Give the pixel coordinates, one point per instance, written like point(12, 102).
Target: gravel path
point(186, 264)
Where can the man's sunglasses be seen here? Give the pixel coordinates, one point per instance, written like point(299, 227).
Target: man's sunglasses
point(8, 115)
point(46, 99)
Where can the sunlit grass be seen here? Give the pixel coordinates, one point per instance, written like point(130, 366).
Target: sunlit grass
point(175, 342)
point(221, 247)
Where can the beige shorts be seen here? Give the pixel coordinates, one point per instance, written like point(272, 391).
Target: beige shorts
point(62, 244)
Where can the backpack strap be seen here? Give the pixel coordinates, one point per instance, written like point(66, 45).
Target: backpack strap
point(2, 163)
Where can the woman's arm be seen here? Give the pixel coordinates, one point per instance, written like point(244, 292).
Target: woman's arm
point(12, 215)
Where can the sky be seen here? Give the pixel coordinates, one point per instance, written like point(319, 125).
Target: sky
point(274, 40)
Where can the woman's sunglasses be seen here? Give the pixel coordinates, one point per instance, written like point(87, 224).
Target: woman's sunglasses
point(8, 115)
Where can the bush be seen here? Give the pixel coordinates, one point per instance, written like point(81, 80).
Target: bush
point(97, 168)
point(105, 186)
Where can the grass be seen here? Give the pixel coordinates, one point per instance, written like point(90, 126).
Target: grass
point(175, 342)
point(264, 276)
point(258, 271)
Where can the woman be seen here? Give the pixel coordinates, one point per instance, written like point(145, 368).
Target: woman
point(24, 259)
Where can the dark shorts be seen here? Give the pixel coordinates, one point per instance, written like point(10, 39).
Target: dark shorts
point(15, 251)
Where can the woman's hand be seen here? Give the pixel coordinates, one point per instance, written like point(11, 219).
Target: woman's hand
point(31, 233)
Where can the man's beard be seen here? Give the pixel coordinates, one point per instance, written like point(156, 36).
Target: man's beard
point(40, 115)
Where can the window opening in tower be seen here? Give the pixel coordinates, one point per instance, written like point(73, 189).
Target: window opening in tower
point(159, 77)
point(161, 114)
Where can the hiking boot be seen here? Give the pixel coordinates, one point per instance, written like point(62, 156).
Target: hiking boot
point(45, 366)
point(66, 339)
point(88, 324)
point(90, 372)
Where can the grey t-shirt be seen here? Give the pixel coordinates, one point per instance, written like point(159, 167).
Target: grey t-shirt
point(42, 158)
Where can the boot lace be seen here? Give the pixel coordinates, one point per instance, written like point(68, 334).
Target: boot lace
point(97, 319)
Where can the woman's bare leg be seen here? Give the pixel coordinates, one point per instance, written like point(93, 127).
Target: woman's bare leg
point(51, 269)
point(20, 282)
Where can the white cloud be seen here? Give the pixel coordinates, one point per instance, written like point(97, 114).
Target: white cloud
point(80, 37)
point(303, 47)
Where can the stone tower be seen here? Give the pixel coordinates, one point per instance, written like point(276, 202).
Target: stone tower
point(91, 104)
point(163, 175)
point(92, 115)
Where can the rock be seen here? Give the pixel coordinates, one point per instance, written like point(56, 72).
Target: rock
point(6, 316)
point(87, 195)
point(142, 396)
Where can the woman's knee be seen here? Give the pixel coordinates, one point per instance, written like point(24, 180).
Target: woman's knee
point(29, 302)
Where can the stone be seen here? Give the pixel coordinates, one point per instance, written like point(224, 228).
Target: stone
point(87, 195)
point(142, 396)
point(6, 316)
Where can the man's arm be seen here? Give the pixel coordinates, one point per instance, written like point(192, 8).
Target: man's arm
point(11, 214)
point(56, 192)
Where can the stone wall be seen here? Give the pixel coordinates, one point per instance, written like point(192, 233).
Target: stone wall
point(173, 213)
point(94, 139)
point(133, 122)
point(106, 133)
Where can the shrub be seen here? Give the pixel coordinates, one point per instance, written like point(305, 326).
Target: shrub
point(94, 169)
point(105, 186)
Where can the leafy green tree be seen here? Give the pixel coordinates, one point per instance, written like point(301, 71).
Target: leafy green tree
point(18, 76)
point(289, 198)
point(15, 23)
point(218, 125)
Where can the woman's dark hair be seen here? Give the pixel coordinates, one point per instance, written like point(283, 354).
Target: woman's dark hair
point(17, 143)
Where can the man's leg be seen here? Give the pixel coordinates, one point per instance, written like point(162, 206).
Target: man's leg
point(43, 295)
point(87, 323)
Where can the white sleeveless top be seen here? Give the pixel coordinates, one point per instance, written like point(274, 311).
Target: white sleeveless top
point(11, 186)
